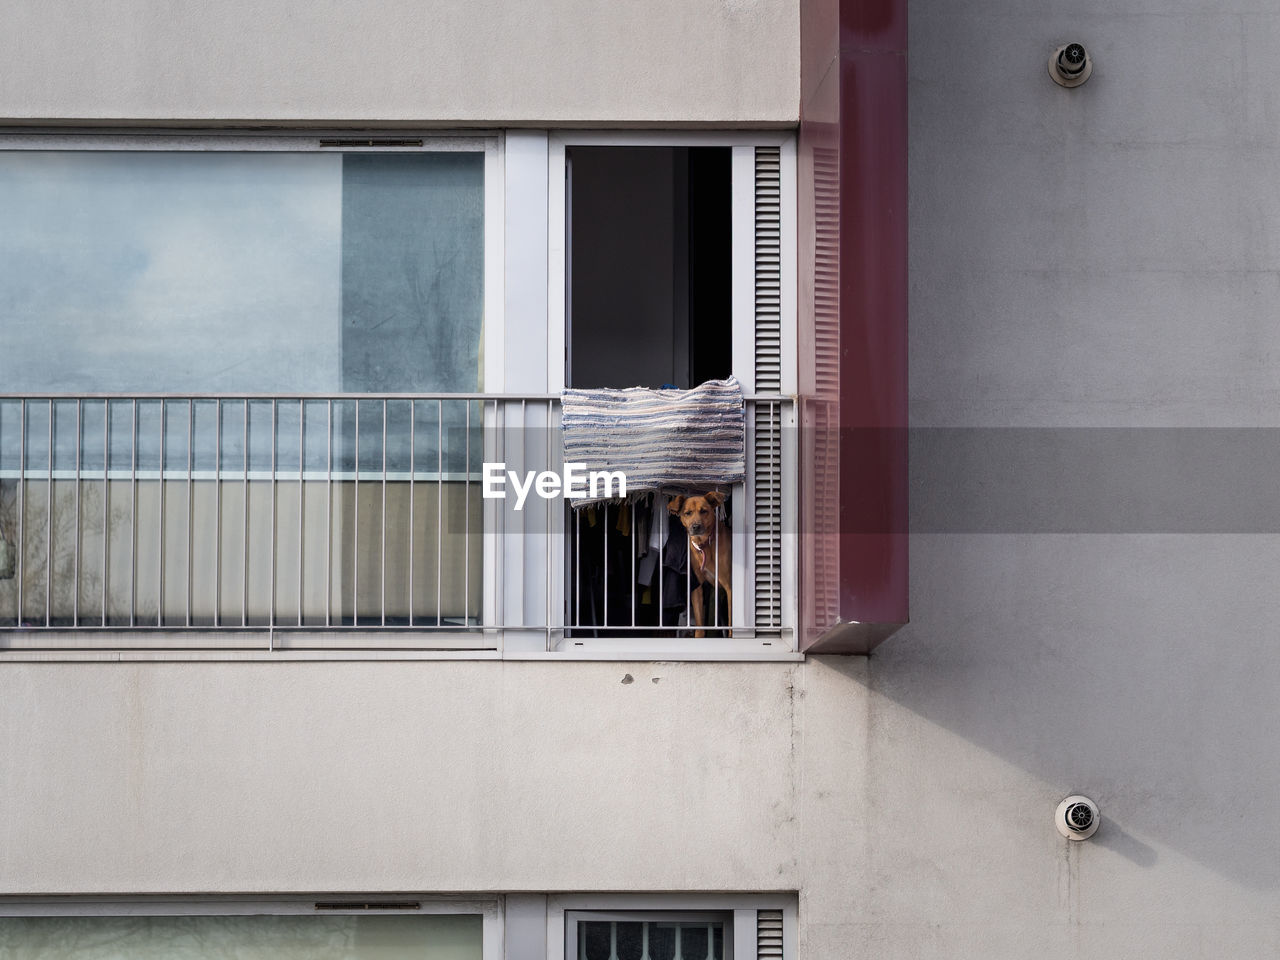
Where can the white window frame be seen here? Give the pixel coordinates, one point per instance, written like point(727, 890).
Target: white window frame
point(489, 909)
point(565, 910)
point(742, 144)
point(574, 918)
point(492, 145)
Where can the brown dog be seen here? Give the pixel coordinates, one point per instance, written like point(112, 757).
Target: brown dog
point(710, 550)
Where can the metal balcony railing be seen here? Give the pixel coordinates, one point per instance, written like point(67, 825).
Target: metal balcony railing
point(337, 522)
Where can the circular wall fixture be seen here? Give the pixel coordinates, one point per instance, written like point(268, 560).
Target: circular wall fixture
point(1070, 65)
point(1077, 818)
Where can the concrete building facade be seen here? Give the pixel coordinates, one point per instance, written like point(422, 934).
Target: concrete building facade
point(1082, 262)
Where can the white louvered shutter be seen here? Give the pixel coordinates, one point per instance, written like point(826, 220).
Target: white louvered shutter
point(766, 447)
point(768, 935)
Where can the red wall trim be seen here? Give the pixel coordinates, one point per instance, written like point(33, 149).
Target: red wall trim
point(853, 323)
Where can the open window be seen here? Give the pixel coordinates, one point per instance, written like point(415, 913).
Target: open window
point(649, 272)
point(649, 303)
point(676, 272)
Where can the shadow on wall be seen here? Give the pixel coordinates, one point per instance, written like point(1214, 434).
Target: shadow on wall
point(1141, 670)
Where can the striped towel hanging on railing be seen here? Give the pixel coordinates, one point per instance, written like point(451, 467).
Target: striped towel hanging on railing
point(660, 439)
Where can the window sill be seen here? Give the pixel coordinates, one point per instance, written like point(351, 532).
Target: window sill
point(249, 645)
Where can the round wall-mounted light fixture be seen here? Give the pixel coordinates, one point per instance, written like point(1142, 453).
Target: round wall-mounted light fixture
point(1070, 65)
point(1077, 818)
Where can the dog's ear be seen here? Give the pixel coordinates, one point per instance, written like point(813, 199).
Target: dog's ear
point(675, 504)
point(715, 498)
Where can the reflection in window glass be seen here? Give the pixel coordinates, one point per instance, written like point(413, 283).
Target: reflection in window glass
point(225, 272)
point(422, 937)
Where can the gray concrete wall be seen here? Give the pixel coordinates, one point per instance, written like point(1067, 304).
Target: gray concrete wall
point(436, 776)
point(1098, 257)
point(443, 63)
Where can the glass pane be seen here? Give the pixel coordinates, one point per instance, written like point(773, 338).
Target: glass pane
point(222, 272)
point(594, 941)
point(662, 941)
point(694, 943)
point(244, 938)
point(631, 941)
point(412, 272)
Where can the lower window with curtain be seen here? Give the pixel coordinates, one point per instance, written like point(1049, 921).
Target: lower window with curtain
point(638, 936)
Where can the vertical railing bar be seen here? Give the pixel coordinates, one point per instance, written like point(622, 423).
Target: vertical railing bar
point(439, 511)
point(634, 592)
point(133, 516)
point(328, 517)
point(604, 543)
point(688, 591)
point(22, 501)
point(661, 517)
point(355, 528)
point(48, 529)
point(613, 940)
point(413, 466)
point(679, 954)
point(106, 497)
point(244, 584)
point(217, 512)
point(382, 602)
point(644, 941)
point(302, 449)
point(711, 942)
point(160, 544)
point(577, 567)
point(191, 429)
point(500, 416)
point(466, 508)
point(272, 540)
point(546, 534)
point(75, 568)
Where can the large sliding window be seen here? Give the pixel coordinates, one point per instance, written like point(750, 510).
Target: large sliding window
point(237, 380)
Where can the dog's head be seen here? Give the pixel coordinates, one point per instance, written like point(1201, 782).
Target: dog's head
point(698, 514)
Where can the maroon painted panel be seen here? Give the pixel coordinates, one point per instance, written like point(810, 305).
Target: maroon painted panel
point(873, 337)
point(873, 25)
point(853, 322)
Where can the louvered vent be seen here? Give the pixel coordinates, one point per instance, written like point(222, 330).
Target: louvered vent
point(826, 281)
point(768, 935)
point(822, 415)
point(768, 270)
point(767, 425)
